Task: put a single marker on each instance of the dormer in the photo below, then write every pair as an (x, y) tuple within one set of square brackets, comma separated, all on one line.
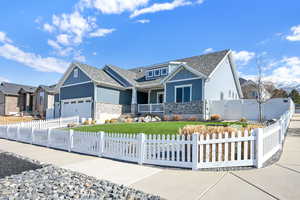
[(161, 70)]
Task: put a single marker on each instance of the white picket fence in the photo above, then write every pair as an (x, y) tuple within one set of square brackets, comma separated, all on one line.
[(197, 151), (44, 124)]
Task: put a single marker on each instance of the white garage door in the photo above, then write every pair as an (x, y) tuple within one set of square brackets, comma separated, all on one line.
[(77, 107)]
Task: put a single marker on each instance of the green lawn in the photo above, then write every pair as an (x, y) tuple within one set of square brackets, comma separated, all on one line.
[(147, 128)]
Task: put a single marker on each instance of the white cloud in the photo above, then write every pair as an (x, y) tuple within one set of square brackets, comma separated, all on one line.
[(101, 32), (4, 38), (2, 79), (200, 1), (143, 21), (94, 53), (160, 7), (47, 64), (112, 6), (295, 34), (47, 27), (54, 44), (208, 50), (243, 57), (63, 39), (79, 58)]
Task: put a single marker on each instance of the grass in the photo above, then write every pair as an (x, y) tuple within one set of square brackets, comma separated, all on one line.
[(148, 128)]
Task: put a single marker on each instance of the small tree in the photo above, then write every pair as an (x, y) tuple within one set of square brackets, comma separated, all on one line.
[(295, 96), (279, 93)]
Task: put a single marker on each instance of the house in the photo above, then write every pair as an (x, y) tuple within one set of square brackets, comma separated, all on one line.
[(15, 98), (45, 101), (250, 90), (178, 87)]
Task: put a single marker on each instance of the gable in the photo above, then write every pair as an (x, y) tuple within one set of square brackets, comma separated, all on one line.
[(183, 74), (82, 77)]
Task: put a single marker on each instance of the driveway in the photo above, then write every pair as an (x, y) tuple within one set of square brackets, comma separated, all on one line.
[(279, 181)]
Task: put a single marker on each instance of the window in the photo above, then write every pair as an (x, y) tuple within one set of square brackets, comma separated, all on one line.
[(222, 96), (164, 71), (183, 94), (157, 72), (254, 94), (150, 73), (75, 73)]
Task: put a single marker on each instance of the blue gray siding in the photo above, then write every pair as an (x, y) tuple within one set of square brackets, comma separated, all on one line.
[(113, 96), (183, 74), (117, 77), (81, 77), (77, 91), (153, 95), (196, 89), (56, 98)]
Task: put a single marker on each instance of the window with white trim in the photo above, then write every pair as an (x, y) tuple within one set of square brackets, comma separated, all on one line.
[(150, 73), (75, 73), (157, 72), (164, 71), (183, 93)]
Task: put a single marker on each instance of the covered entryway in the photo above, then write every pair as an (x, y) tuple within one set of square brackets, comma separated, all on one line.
[(77, 107)]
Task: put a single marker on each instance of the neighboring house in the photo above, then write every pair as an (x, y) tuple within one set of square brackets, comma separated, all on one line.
[(175, 87), (15, 98), (250, 90), (45, 101)]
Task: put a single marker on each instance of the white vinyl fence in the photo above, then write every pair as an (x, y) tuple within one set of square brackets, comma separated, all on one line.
[(52, 123), (197, 151)]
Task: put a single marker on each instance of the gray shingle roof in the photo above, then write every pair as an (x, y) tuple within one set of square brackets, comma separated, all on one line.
[(13, 89), (98, 75), (49, 89), (128, 75)]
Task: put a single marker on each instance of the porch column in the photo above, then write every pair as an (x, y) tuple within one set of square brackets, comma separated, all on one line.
[(134, 108), (27, 102)]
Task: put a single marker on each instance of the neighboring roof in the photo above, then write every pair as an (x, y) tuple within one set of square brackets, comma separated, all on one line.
[(13, 89), (49, 89), (242, 81), (98, 75)]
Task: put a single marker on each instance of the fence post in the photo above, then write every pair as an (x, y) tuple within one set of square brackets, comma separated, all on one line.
[(259, 147), (195, 151), (49, 137), (71, 140), (32, 135), (101, 144), (141, 141), (18, 133)]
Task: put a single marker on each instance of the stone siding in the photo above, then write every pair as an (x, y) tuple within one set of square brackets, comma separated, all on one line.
[(194, 107), (106, 111)]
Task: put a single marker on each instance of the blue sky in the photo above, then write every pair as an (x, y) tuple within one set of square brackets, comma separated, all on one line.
[(39, 39)]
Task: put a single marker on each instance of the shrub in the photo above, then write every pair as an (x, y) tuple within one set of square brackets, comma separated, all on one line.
[(71, 125), (129, 120), (113, 121), (215, 117), (201, 129), (94, 122), (177, 118), (107, 121), (193, 119), (165, 118), (86, 122), (243, 119)]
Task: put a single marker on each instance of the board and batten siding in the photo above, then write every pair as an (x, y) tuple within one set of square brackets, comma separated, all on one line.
[(222, 81), (183, 74), (196, 89), (82, 77), (113, 96), (77, 91)]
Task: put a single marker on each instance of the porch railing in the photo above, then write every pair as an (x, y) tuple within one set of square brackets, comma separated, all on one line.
[(151, 108)]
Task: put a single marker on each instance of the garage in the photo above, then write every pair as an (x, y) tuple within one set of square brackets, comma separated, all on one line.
[(77, 107)]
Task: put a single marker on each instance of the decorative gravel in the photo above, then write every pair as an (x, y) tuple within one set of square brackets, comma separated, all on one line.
[(35, 180)]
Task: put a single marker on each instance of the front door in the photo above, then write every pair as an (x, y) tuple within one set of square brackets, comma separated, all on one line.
[(160, 97)]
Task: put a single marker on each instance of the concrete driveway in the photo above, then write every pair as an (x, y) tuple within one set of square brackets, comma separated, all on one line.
[(279, 181)]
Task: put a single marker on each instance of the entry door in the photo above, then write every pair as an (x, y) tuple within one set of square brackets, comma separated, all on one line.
[(160, 97)]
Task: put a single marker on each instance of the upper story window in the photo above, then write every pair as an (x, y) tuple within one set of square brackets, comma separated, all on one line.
[(183, 93), (157, 72), (150, 73), (75, 73), (164, 71)]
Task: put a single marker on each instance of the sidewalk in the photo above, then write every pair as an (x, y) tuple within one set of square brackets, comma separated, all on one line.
[(279, 181)]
